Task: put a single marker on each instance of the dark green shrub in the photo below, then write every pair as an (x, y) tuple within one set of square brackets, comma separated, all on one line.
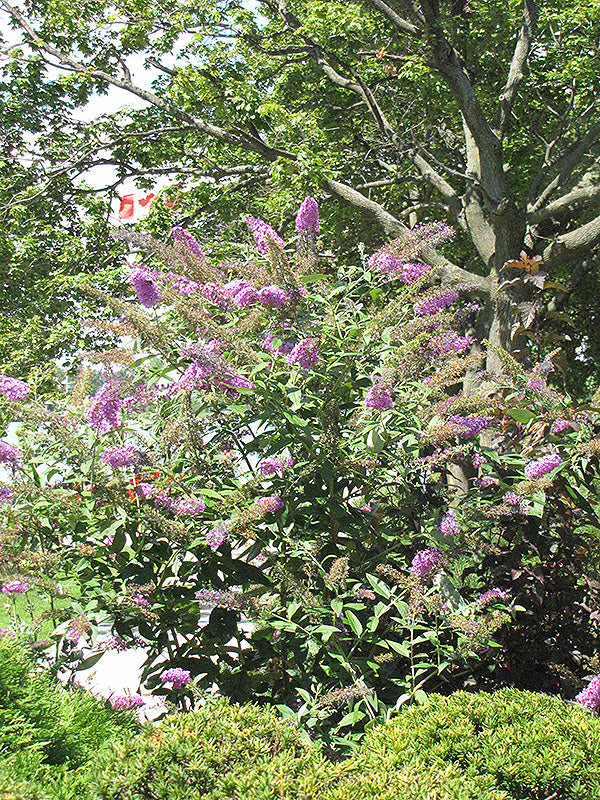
[(519, 745), (218, 752), (46, 731)]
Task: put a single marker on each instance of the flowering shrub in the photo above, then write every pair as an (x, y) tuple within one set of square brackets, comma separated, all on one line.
[(285, 494)]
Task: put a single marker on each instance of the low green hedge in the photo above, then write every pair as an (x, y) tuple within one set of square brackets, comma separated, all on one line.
[(520, 745), (48, 734), (511, 745), (221, 751)]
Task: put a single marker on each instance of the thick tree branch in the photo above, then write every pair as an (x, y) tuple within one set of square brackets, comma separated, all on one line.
[(397, 21), (573, 245), (395, 227), (517, 64), (579, 198), (447, 62)]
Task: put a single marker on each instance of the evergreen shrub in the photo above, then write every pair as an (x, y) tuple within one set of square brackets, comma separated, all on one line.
[(46, 731), (221, 751), (519, 745)]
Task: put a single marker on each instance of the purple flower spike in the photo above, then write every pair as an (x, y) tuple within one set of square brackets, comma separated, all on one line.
[(10, 455), (307, 218), (121, 456), (385, 262), (590, 696), (490, 596), (14, 587), (273, 296), (260, 231), (434, 305), (379, 397), (103, 413), (217, 535), (246, 297), (412, 272), (124, 702), (543, 465), (187, 507), (145, 288), (272, 504), (176, 676), (425, 561), (13, 389), (5, 495), (449, 525), (305, 353), (187, 241)]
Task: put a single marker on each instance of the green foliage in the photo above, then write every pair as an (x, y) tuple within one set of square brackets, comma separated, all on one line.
[(312, 598), (286, 92), (217, 752), (47, 734), (520, 745)]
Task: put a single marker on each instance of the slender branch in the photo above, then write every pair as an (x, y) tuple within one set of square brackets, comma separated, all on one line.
[(566, 163), (223, 135), (517, 64)]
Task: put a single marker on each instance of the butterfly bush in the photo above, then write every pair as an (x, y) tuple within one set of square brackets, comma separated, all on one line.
[(292, 491), (13, 389), (145, 288)]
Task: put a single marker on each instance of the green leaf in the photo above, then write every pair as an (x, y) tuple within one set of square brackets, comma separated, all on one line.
[(375, 441), (89, 662), (353, 621), (521, 414)]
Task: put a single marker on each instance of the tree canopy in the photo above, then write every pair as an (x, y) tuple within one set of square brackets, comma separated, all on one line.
[(483, 115)]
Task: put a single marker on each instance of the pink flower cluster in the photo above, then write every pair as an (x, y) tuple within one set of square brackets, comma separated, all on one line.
[(471, 425), (210, 373), (266, 504), (515, 503), (13, 388), (142, 395), (284, 349), (449, 526), (124, 702), (559, 425), (395, 267), (15, 587), (490, 596), (379, 397), (438, 302), (10, 455), (542, 466), (5, 495), (305, 353), (103, 413), (188, 242), (449, 342), (176, 676), (307, 218), (217, 535), (590, 696), (261, 232), (122, 456), (273, 465), (425, 561), (145, 288)]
